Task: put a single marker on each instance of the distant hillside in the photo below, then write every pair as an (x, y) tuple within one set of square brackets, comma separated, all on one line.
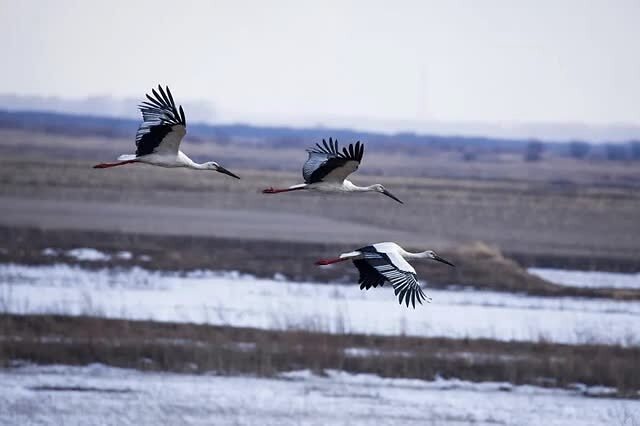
[(82, 125), (203, 111)]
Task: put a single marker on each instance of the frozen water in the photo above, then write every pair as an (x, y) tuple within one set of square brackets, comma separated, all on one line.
[(588, 278), (243, 301), (99, 395)]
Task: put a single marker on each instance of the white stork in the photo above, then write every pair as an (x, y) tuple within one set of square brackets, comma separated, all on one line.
[(159, 136), (327, 169), (382, 262)]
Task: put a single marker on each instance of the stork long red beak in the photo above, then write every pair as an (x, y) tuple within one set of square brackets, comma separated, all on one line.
[(390, 195), (226, 172)]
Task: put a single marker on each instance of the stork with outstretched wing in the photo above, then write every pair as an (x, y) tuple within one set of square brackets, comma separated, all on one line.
[(159, 136), (327, 169), (385, 262)]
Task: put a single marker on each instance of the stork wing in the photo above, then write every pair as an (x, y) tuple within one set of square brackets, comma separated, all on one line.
[(369, 276), (327, 164), (163, 125), (402, 276)]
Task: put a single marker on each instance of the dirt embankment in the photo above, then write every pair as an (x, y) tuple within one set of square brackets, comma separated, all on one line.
[(477, 266)]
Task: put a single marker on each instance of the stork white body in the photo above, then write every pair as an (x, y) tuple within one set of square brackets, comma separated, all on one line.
[(327, 169), (168, 160), (386, 262), (159, 136)]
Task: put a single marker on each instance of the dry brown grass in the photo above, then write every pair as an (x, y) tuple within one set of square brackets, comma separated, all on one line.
[(226, 350)]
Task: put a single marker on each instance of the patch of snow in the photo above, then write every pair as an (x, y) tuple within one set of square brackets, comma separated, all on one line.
[(88, 254), (242, 346), (33, 395), (144, 258), (361, 352), (124, 255), (588, 279), (242, 301), (305, 374), (279, 277), (482, 357), (599, 391), (49, 252), (368, 352)]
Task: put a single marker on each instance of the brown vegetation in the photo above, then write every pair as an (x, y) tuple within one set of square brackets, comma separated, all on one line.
[(226, 350)]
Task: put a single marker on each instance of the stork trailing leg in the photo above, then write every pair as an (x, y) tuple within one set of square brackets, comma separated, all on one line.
[(324, 262), (119, 163), (344, 256), (291, 188)]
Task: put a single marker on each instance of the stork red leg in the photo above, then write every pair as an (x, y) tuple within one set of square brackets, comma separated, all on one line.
[(330, 261), (275, 191), (119, 163)]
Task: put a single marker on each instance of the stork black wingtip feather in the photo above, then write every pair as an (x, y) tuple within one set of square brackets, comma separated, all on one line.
[(165, 98), (170, 97), (154, 101), (157, 96), (182, 116)]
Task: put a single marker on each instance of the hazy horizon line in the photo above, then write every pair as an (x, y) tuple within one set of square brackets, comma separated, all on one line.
[(205, 112)]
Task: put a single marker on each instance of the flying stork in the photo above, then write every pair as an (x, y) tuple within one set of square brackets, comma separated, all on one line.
[(383, 262), (327, 169), (159, 136)]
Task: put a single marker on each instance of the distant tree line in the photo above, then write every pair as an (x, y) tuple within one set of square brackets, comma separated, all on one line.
[(579, 149), (468, 148), (628, 151)]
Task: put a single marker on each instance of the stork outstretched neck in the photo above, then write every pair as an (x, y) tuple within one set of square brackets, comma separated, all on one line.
[(327, 168), (159, 136), (385, 262)]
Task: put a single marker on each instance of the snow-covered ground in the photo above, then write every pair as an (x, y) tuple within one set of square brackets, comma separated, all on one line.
[(587, 278), (88, 254), (99, 395), (237, 300)]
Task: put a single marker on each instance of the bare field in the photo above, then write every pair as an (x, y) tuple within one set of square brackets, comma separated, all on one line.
[(557, 212), (406, 161), (538, 224)]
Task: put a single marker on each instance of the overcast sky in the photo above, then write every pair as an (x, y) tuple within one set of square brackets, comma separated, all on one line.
[(318, 61)]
